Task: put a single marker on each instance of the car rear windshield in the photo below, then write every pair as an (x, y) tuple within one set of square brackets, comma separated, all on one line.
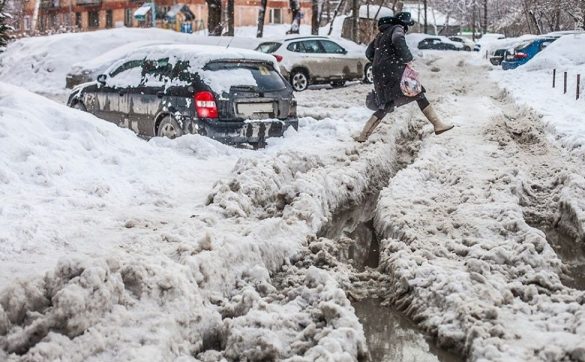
[(222, 75), (268, 48)]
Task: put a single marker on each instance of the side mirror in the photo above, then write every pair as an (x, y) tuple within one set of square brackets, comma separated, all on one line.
[(343, 51), (102, 79)]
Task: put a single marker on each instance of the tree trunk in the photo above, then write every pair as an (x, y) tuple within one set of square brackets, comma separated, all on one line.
[(583, 13), (214, 17), (485, 16), (426, 25), (230, 15), (261, 16), (355, 6), (315, 17), (473, 13)]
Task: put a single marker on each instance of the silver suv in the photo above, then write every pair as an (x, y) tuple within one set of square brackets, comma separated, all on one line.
[(317, 60)]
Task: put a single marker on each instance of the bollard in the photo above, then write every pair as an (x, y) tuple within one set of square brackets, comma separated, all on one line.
[(578, 85), (554, 77), (565, 84)]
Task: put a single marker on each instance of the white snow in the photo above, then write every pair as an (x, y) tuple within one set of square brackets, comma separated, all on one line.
[(117, 248)]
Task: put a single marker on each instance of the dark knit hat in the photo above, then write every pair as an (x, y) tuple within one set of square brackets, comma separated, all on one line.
[(405, 18)]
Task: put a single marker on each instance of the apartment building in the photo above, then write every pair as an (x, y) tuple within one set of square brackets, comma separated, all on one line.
[(85, 15)]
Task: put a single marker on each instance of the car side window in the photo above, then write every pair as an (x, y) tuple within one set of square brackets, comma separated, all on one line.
[(128, 74), (126, 66), (331, 48), (296, 47), (312, 46)]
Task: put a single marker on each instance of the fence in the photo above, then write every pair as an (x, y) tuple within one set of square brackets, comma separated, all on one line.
[(578, 89)]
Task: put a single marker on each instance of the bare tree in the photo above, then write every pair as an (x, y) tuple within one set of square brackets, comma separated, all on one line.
[(230, 17), (261, 16), (214, 25), (315, 17)]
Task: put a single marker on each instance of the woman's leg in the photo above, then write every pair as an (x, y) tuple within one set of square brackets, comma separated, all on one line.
[(429, 112), (373, 122)]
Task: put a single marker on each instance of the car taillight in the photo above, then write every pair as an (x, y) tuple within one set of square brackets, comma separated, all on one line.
[(520, 55), (278, 57), (205, 105)]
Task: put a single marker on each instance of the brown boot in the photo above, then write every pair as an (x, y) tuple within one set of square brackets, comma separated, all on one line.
[(370, 126), (432, 116)]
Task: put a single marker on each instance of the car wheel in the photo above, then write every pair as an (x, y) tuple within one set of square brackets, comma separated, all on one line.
[(169, 128), (368, 74), (80, 106), (338, 83), (467, 49), (299, 79)]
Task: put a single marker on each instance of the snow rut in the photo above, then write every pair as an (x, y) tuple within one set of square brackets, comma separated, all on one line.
[(459, 255)]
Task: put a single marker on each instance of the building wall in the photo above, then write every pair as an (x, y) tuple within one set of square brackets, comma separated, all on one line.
[(64, 12)]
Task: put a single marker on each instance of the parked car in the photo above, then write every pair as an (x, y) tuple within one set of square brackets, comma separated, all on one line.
[(439, 43), (88, 71), (233, 96), (318, 60), (468, 44), (498, 56), (525, 51)]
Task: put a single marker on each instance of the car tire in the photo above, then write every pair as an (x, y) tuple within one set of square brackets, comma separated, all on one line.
[(368, 74), (338, 83), (169, 128), (79, 105), (467, 49), (299, 79)]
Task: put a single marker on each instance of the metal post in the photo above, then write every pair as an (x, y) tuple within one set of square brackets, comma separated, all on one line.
[(578, 85), (565, 84), (554, 77)]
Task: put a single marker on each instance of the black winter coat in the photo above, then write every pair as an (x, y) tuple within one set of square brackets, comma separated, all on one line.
[(389, 54)]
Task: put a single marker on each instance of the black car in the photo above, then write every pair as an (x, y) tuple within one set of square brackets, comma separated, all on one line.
[(437, 43), (233, 96)]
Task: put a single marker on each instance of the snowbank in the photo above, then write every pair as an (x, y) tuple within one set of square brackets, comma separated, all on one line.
[(71, 182), (531, 84)]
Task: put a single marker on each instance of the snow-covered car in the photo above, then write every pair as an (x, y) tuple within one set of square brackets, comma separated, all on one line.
[(231, 95), (318, 60), (439, 43), (468, 44), (88, 71)]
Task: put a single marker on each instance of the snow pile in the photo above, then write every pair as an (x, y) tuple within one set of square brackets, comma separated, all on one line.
[(565, 54), (62, 164), (40, 64)]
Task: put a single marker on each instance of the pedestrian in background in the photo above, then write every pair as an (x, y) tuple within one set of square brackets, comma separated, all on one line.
[(390, 56)]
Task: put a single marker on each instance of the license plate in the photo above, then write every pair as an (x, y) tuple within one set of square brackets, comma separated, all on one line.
[(253, 109)]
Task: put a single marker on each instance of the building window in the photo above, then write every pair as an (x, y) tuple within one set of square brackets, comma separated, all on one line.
[(275, 16), (109, 19), (128, 17), (27, 23), (78, 20), (93, 19)]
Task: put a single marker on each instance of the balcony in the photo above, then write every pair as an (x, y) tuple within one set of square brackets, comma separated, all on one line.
[(88, 2)]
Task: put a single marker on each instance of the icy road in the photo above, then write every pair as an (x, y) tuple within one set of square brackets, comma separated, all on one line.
[(117, 249)]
